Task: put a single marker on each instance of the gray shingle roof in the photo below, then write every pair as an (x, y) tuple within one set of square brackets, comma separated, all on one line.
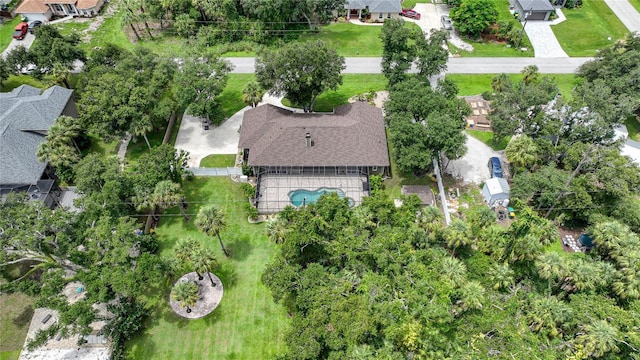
[(376, 6), (25, 117), (352, 136), (535, 5)]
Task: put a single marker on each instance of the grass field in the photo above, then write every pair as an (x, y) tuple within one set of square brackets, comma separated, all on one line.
[(487, 138), (474, 84), (633, 127), (353, 84), (636, 4), (231, 97), (6, 32), (587, 29), (247, 324), (68, 28), (349, 39), (15, 317), (218, 161)]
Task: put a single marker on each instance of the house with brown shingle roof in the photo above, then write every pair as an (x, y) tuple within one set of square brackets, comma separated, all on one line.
[(43, 10), (312, 151)]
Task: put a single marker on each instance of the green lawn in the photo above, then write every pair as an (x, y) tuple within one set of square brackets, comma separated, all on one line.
[(100, 147), (218, 161), (633, 127), (353, 84), (15, 317), (110, 32), (587, 28), (14, 81), (487, 138), (247, 324), (231, 97), (6, 32), (474, 84), (636, 4), (72, 27)]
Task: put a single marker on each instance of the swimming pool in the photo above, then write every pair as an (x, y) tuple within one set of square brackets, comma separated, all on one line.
[(303, 196)]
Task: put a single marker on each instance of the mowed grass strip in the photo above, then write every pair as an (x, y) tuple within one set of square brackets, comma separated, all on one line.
[(15, 317), (475, 84), (353, 84), (218, 161), (247, 324), (6, 32), (588, 28)]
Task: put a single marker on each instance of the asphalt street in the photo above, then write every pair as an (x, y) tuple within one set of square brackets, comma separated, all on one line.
[(365, 65)]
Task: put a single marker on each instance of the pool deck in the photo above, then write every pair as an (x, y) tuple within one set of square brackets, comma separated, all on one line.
[(275, 189)]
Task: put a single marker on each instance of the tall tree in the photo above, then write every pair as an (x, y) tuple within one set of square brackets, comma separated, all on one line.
[(252, 94), (300, 71), (211, 221), (53, 48), (398, 52), (521, 152), (474, 16), (198, 83), (60, 148)]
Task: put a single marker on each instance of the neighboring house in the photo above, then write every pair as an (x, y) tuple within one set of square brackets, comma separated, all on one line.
[(495, 190), (43, 10), (379, 10), (25, 118), (423, 192), (533, 9), (291, 152), (34, 10)]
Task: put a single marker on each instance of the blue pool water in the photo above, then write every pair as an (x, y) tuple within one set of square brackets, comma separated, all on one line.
[(300, 196)]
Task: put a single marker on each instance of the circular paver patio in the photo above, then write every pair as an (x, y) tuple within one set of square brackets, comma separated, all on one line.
[(210, 296)]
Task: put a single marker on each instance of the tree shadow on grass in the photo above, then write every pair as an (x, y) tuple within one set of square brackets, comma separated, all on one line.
[(240, 248), (227, 273), (24, 318)]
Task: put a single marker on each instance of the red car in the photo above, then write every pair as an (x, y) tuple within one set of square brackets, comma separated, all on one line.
[(410, 13), (20, 31)]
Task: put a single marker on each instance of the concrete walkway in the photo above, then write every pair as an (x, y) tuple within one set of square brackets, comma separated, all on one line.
[(627, 14)]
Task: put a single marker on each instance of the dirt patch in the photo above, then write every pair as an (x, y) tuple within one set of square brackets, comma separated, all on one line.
[(569, 233)]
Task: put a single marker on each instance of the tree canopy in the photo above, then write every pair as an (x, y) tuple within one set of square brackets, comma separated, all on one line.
[(474, 16), (300, 71)]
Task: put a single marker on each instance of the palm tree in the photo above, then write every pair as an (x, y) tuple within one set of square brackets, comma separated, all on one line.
[(501, 83), (472, 295), (530, 74), (252, 93), (203, 260), (165, 195), (521, 151), (599, 338), (129, 18), (211, 221), (141, 126), (457, 234), (550, 266), (454, 271), (60, 147), (59, 75), (548, 313), (501, 275), (430, 219), (186, 293), (277, 230), (184, 253)]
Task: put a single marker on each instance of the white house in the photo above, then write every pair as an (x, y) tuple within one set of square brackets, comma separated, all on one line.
[(378, 9), (44, 10)]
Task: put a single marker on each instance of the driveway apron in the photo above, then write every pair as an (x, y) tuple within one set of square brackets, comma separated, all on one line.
[(543, 40)]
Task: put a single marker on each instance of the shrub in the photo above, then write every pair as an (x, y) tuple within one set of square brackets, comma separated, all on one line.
[(251, 210), (249, 190)]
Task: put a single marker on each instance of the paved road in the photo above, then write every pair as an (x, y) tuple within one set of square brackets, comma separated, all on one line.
[(627, 14), (363, 65)]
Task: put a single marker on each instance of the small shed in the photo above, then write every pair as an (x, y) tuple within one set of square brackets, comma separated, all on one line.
[(495, 190), (423, 192), (533, 9)]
